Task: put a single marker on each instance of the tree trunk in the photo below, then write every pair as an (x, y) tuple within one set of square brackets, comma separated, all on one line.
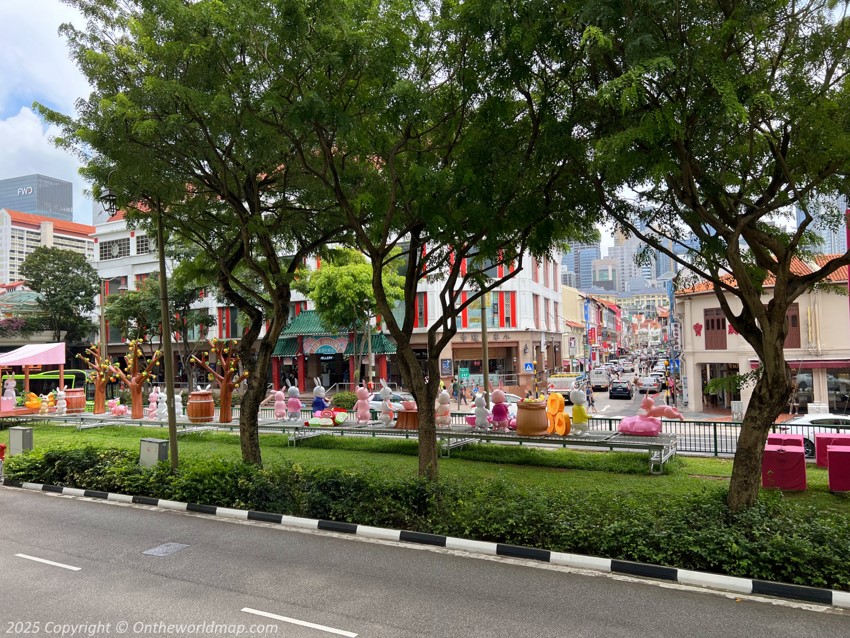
[(99, 396), (249, 410), (137, 403), (769, 398), (425, 395), (225, 399)]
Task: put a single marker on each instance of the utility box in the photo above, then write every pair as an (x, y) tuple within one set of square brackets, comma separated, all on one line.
[(20, 440), (737, 410), (153, 451)]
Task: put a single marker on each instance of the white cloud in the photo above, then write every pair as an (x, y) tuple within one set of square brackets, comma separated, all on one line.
[(36, 66)]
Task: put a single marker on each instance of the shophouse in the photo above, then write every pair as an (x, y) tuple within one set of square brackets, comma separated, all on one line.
[(817, 347)]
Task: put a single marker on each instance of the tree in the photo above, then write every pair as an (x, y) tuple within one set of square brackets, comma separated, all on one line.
[(718, 119), (138, 372), (444, 166), (343, 294), (228, 377), (173, 127), (67, 284), (138, 314)]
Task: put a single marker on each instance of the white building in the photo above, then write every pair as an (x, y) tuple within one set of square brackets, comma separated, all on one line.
[(817, 347), (22, 233)]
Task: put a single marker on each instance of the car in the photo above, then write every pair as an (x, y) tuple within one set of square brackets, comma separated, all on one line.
[(600, 379), (809, 424), (376, 402), (620, 390), (649, 385)]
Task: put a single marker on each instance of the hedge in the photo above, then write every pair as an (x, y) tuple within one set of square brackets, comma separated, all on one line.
[(771, 541)]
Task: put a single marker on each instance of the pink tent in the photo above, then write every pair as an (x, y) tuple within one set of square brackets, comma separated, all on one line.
[(35, 354)]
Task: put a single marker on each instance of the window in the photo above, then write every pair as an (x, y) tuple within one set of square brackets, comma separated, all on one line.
[(715, 329), (115, 249), (420, 310), (838, 390), (143, 245), (792, 323), (546, 273), (535, 302), (534, 274)]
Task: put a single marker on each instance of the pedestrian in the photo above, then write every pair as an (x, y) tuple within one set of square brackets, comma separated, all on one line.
[(442, 384), (456, 389), (591, 402), (672, 388), (462, 395)]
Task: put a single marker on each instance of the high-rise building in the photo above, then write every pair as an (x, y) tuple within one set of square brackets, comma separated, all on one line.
[(834, 239), (38, 195), (21, 234), (581, 257)]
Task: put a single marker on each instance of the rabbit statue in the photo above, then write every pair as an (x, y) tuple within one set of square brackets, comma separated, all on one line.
[(162, 407), (279, 405), (482, 414), (388, 408), (178, 405), (320, 404), (579, 418), (9, 386), (153, 399), (293, 404), (443, 415), (42, 409), (364, 415), (61, 403), (501, 416), (117, 409)]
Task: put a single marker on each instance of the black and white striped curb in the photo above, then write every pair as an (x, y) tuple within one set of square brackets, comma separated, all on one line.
[(732, 584)]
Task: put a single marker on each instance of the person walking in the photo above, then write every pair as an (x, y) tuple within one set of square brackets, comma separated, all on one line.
[(591, 402)]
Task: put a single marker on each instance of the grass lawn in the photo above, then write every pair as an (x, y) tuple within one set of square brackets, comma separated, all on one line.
[(547, 470)]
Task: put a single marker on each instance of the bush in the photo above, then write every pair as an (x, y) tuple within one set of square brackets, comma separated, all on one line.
[(345, 400), (771, 541)]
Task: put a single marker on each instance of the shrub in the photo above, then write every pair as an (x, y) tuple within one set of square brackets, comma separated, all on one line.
[(345, 400), (771, 541)]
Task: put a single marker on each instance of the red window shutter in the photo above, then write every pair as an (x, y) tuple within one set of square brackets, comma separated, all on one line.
[(500, 269), (318, 262), (416, 310), (463, 320), (220, 323), (463, 267), (513, 310), (501, 309), (425, 314)]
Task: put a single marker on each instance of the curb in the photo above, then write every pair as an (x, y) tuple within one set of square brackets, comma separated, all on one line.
[(733, 584)]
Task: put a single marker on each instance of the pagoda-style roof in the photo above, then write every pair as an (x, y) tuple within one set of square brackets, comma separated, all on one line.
[(307, 322), (380, 345), (286, 347)]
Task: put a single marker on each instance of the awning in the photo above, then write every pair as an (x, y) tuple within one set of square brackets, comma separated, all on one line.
[(35, 354), (380, 345)]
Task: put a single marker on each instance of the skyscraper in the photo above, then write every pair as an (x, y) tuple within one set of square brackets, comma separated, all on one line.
[(38, 195), (834, 240)]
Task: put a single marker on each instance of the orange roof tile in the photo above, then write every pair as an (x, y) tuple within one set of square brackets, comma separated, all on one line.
[(59, 225)]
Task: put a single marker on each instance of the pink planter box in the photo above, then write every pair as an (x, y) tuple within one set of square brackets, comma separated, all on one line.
[(784, 468), (839, 467), (824, 439), (786, 440)]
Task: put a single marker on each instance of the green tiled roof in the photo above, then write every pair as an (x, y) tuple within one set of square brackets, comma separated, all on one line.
[(380, 345), (19, 302), (307, 323), (287, 347)]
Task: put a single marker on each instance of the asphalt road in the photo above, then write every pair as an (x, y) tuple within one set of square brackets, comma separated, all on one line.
[(343, 586)]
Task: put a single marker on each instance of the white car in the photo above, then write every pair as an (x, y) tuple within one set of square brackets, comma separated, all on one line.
[(376, 402), (809, 424)]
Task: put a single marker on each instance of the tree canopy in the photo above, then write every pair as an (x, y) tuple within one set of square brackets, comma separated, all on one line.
[(68, 285), (717, 121)]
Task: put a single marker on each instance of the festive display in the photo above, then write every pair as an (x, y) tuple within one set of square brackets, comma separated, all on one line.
[(228, 361), (100, 373), (559, 421), (136, 375), (443, 415), (361, 407), (580, 419)]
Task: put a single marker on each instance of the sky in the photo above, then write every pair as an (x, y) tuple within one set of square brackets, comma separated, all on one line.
[(35, 67)]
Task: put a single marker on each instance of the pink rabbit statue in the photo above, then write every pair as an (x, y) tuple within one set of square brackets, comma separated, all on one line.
[(293, 405), (364, 415), (279, 405)]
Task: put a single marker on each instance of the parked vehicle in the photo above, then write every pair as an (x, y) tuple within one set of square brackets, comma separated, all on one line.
[(376, 402), (810, 424), (620, 390), (600, 379), (649, 385)]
